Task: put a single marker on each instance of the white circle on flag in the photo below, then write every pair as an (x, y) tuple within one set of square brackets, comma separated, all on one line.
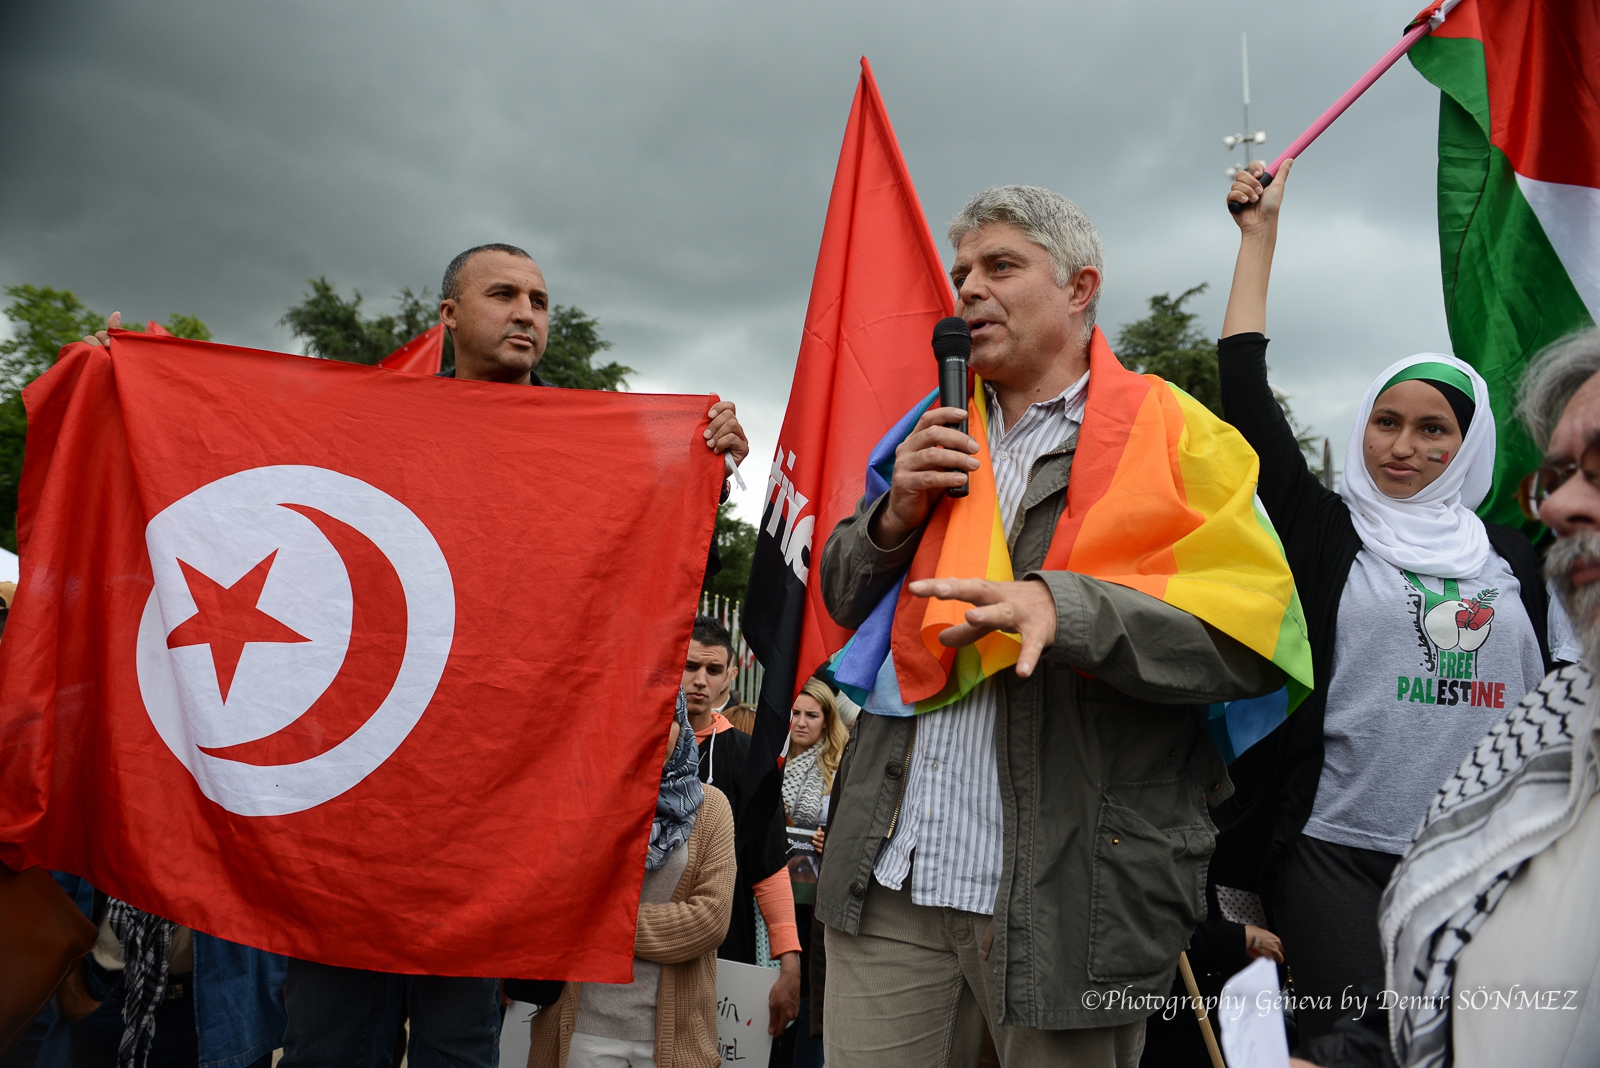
[(226, 529)]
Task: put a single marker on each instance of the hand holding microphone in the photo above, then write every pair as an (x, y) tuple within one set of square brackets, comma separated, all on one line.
[(938, 455), (952, 347)]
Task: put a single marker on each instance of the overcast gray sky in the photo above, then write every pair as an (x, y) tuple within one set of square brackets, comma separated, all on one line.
[(669, 165)]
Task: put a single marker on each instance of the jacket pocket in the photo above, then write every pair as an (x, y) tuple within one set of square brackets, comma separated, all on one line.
[(1151, 849)]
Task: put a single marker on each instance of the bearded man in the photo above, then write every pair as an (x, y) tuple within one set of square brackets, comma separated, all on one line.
[(1490, 931), (1031, 853)]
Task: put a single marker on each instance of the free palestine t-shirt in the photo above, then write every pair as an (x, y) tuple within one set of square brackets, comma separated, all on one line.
[(1422, 668)]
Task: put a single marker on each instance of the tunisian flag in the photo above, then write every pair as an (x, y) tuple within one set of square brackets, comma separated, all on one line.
[(865, 358), (265, 680)]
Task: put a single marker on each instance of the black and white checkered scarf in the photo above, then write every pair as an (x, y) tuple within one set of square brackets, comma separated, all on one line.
[(146, 946), (802, 787), (1523, 786)]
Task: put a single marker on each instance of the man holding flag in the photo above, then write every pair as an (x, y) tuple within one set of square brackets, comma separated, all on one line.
[(495, 303), (1022, 836)]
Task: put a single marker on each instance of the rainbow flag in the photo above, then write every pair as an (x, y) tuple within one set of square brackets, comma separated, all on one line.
[(1161, 500)]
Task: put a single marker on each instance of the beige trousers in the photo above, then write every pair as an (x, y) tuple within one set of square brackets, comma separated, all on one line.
[(910, 991)]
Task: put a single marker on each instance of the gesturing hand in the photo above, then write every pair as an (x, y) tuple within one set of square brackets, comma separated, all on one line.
[(1026, 608), (934, 457)]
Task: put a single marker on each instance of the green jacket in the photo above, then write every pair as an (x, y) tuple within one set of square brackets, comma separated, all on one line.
[(1104, 780)]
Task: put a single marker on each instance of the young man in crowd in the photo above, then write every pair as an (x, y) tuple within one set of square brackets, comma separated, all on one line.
[(1031, 852), (763, 876)]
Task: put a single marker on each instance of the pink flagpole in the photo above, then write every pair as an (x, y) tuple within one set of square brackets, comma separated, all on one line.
[(1424, 26)]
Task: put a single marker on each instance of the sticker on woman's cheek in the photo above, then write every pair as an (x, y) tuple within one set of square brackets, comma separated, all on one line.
[(1439, 456)]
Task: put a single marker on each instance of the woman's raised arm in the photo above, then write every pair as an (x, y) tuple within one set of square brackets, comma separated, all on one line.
[(1258, 235)]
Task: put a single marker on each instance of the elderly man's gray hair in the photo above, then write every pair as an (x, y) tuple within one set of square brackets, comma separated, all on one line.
[(1551, 379), (1049, 219)]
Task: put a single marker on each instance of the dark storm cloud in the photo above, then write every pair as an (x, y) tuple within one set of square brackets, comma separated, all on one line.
[(669, 166)]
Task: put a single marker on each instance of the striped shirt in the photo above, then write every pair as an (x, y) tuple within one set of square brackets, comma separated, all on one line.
[(950, 814)]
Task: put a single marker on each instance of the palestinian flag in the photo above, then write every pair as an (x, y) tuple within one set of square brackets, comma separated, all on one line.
[(1519, 193)]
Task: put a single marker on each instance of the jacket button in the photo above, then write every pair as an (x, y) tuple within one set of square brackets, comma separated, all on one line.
[(858, 891), (1116, 841), (892, 770), (1217, 785)]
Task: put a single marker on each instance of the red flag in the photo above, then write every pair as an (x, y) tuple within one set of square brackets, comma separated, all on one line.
[(865, 358), (153, 327), (422, 355), (263, 680)]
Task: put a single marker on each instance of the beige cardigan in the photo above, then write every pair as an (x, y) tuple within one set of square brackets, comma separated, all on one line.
[(682, 936)]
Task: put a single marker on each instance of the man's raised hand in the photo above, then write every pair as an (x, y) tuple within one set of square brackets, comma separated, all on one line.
[(1026, 608), (934, 457), (103, 337)]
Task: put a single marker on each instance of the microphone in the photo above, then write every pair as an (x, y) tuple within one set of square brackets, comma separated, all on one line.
[(952, 348)]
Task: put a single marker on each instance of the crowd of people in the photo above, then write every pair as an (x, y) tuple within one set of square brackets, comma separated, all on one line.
[(1012, 878)]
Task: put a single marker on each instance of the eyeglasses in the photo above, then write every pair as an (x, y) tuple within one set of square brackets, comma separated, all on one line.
[(1537, 487)]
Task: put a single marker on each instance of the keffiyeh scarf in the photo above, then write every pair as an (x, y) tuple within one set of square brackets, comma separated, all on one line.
[(803, 788), (146, 945), (680, 796), (1523, 787)]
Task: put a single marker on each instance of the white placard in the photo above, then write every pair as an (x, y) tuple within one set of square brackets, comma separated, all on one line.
[(515, 1036), (742, 1016), (1251, 1015)]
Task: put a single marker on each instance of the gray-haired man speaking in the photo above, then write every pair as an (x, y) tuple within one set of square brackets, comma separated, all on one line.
[(965, 878)]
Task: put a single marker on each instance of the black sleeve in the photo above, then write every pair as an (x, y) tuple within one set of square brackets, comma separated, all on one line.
[(1518, 552), (1218, 946), (1289, 491), (540, 992), (1354, 1043)]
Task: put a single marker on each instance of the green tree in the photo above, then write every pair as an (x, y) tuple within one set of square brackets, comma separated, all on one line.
[(46, 321), (188, 326), (334, 328), (736, 544), (1167, 342), (569, 360)]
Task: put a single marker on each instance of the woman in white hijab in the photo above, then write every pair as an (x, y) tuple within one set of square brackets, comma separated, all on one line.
[(1426, 625)]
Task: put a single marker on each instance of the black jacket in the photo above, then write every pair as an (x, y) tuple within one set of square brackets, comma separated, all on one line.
[(1276, 779), (722, 760)]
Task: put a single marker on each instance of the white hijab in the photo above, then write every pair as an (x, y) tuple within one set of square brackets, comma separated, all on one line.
[(1435, 532)]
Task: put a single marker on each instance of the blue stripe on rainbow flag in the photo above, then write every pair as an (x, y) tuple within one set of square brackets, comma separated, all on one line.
[(856, 667), (1237, 725)]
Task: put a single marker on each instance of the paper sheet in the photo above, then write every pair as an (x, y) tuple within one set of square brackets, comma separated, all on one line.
[(1251, 1018), (514, 1036)]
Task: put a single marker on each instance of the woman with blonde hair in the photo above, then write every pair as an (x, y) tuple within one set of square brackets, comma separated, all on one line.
[(816, 742), (817, 737)]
